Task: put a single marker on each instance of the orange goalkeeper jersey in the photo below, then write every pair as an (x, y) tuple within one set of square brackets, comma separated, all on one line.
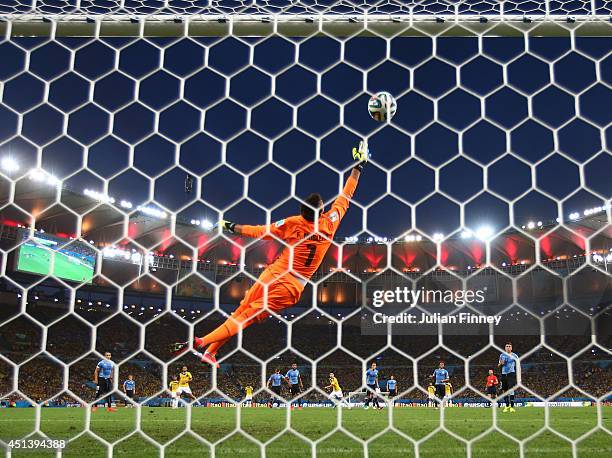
[(309, 247)]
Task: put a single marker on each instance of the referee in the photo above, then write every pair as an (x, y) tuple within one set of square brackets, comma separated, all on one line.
[(103, 378), (508, 362)]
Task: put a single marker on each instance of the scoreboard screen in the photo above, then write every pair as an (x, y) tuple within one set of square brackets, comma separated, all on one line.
[(74, 261)]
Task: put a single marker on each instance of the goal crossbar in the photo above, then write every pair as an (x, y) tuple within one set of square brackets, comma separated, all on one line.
[(304, 25)]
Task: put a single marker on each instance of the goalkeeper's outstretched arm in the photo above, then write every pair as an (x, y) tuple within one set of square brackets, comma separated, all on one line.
[(360, 158)]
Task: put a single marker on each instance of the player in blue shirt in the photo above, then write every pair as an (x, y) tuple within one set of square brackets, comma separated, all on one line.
[(129, 388), (440, 376), (274, 384), (294, 379), (103, 378), (371, 376), (508, 362), (392, 386)]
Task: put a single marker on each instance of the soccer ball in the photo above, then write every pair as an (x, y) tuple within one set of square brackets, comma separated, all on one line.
[(382, 106)]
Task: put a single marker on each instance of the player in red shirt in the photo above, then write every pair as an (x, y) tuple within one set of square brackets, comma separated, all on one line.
[(308, 237), (492, 384)]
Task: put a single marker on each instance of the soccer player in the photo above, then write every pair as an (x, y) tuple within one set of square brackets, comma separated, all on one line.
[(103, 378), (336, 392), (248, 396), (174, 384), (392, 386), (129, 388), (448, 392), (274, 383), (308, 236), (294, 379), (183, 388), (392, 389), (440, 376), (431, 395), (372, 384), (508, 361), (491, 386)]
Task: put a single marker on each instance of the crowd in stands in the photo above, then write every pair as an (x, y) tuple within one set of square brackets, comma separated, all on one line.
[(70, 341)]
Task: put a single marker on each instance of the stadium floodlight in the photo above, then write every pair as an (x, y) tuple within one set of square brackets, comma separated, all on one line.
[(40, 176), (9, 165), (574, 216), (466, 234), (126, 204), (151, 211), (484, 232), (206, 224), (539, 223), (594, 210), (99, 196), (37, 175), (438, 236), (52, 180), (413, 238), (530, 225)]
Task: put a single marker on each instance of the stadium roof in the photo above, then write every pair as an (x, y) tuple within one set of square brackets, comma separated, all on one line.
[(106, 223)]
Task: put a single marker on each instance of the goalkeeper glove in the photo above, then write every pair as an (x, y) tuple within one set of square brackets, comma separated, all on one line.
[(225, 225), (361, 155)]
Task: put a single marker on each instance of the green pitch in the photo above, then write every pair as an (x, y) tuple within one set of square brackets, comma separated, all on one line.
[(37, 260), (218, 425)]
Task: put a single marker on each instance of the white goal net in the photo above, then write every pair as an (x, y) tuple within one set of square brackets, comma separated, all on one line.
[(129, 127)]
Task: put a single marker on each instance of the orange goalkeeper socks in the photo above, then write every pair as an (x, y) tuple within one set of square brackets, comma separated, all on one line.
[(214, 347)]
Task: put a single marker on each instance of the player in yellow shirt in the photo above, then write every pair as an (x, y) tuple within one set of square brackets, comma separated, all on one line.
[(183, 388), (248, 396), (336, 392), (174, 384), (431, 393), (448, 392)]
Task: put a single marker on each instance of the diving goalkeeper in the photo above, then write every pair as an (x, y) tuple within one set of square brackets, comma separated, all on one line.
[(310, 234)]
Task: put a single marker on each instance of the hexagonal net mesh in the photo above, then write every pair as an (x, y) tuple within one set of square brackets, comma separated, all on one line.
[(128, 127)]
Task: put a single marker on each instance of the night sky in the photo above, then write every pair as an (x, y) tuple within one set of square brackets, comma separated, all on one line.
[(532, 129)]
